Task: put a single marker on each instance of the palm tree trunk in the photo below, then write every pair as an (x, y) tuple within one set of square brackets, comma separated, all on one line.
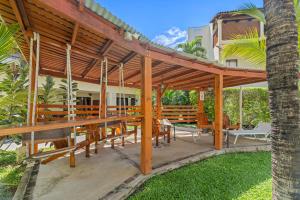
[(282, 75)]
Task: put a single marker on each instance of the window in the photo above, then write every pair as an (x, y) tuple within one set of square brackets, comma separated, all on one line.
[(232, 63)]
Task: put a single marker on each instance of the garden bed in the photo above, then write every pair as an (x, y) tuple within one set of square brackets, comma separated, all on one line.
[(10, 174)]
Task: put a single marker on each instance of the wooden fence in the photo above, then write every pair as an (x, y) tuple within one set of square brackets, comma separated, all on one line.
[(180, 113)]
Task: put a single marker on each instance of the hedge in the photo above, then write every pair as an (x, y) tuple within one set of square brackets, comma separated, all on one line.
[(255, 103)]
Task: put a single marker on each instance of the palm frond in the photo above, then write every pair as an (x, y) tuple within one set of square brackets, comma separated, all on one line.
[(7, 40), (248, 47), (251, 10)]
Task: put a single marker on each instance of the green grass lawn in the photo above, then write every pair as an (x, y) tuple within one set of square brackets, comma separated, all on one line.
[(10, 174), (238, 176)]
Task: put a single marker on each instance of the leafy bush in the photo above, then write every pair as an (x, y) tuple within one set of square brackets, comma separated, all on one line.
[(255, 103)]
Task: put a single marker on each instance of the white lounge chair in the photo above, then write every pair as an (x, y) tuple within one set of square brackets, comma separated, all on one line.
[(196, 132), (261, 129)]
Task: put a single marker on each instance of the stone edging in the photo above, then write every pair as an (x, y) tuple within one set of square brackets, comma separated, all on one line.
[(24, 185), (126, 189)]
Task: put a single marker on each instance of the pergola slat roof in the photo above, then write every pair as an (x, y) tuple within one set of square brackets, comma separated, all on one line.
[(95, 33)]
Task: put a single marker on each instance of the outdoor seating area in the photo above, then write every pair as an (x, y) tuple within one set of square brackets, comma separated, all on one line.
[(106, 171), (95, 50), (96, 143)]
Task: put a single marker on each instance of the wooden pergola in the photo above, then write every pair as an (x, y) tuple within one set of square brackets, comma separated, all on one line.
[(95, 34)]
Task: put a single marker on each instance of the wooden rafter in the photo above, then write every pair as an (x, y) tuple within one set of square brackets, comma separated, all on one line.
[(95, 28), (165, 71), (21, 16), (91, 21), (155, 65), (102, 53), (197, 83), (173, 76), (106, 47), (81, 5), (166, 86), (125, 60), (74, 34), (194, 81), (188, 77)]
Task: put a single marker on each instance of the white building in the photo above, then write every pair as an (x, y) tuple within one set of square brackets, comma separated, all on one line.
[(220, 32)]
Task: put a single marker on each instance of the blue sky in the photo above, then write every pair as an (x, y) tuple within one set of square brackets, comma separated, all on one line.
[(166, 21)]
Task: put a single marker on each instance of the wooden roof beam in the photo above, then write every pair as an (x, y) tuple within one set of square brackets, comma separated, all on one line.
[(125, 60), (21, 16), (155, 65), (161, 73), (74, 34), (102, 53), (250, 81), (182, 62), (174, 76), (106, 47), (188, 78), (165, 71), (90, 20), (238, 81), (91, 65), (204, 79), (81, 5)]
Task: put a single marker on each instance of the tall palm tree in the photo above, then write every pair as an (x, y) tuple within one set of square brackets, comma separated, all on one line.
[(250, 46), (282, 75), (193, 47)]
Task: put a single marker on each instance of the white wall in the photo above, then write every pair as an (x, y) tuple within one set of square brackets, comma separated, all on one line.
[(205, 33), (92, 90)]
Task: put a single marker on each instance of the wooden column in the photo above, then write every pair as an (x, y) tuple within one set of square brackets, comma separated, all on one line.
[(200, 110), (218, 111), (146, 104), (32, 86), (103, 109), (158, 102)]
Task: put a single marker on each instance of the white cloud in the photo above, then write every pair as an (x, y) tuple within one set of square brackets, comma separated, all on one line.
[(171, 38)]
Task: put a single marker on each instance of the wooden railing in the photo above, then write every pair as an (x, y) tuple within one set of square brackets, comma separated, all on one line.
[(58, 112), (180, 113)]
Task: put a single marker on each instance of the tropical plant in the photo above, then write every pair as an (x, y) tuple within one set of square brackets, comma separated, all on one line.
[(13, 96), (193, 47), (250, 46), (255, 104), (282, 75), (175, 97), (64, 90), (7, 42), (48, 94)]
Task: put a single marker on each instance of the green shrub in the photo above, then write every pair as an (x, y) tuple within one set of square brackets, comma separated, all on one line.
[(255, 103)]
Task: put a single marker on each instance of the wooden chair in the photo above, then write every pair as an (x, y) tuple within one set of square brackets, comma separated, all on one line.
[(160, 130), (227, 123), (128, 132)]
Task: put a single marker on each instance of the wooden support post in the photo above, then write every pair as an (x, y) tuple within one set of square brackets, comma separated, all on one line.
[(113, 134), (146, 92), (158, 102), (32, 86), (218, 111), (72, 156), (103, 109), (87, 146), (200, 109)]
